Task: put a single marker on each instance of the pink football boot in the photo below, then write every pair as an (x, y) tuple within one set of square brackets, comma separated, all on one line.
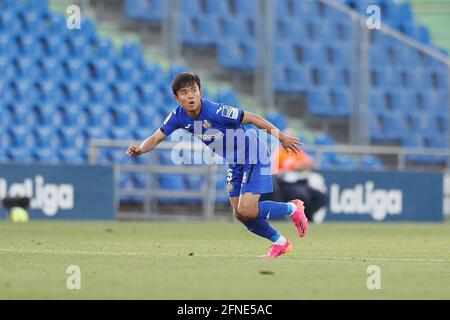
[(277, 250), (299, 218)]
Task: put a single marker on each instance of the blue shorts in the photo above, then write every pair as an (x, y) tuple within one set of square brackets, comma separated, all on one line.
[(249, 178)]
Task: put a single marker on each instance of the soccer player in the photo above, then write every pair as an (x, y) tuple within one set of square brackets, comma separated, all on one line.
[(246, 178)]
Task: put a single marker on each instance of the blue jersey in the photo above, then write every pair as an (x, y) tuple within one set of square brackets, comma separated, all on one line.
[(220, 127)]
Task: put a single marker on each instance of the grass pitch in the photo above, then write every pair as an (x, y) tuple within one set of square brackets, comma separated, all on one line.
[(153, 260)]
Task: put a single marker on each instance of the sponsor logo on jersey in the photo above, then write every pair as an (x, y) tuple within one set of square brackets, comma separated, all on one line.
[(230, 112)]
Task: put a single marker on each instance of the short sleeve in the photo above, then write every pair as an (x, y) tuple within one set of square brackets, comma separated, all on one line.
[(170, 124), (230, 115)]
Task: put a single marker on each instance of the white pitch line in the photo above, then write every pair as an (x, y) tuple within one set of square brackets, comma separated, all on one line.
[(105, 253)]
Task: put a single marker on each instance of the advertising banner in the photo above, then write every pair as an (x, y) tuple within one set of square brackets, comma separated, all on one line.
[(60, 192), (380, 196)]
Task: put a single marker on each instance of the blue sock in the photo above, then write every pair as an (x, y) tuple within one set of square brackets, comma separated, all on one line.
[(273, 210), (262, 228)]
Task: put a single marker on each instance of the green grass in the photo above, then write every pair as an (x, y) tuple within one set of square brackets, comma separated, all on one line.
[(150, 260)]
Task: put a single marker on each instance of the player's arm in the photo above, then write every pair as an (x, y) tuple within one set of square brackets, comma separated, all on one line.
[(148, 145), (288, 142)]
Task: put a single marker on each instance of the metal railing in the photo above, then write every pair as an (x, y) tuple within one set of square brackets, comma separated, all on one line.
[(207, 192)]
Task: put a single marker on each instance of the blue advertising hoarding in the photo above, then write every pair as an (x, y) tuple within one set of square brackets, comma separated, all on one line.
[(380, 196), (60, 191)]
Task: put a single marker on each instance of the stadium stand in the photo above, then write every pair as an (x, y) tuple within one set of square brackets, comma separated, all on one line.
[(62, 87), (312, 56)]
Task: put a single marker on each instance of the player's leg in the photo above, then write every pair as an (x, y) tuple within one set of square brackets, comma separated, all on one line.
[(259, 227), (256, 182), (248, 208)]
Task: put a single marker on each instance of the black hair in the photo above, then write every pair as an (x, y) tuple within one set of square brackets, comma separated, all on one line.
[(183, 80)]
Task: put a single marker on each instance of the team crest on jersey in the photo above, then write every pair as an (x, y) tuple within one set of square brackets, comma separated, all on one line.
[(230, 112), (230, 187), (206, 124)]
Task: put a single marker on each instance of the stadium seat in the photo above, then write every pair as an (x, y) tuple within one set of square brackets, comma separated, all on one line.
[(19, 155), (227, 97), (71, 137), (73, 156), (20, 137), (22, 115), (98, 115), (45, 155), (240, 56), (45, 137), (148, 10), (74, 115), (371, 163)]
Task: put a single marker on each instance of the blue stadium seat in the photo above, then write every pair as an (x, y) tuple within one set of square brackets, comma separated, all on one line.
[(323, 139), (55, 46), (121, 133), (239, 56), (22, 115), (227, 97), (172, 182), (6, 116), (95, 132), (151, 73), (100, 92), (165, 157), (7, 71), (199, 30), (24, 90), (314, 55), (72, 156), (345, 162), (104, 49), (10, 22), (46, 137), (149, 10), (19, 155), (48, 114), (74, 115), (371, 162), (387, 126), (98, 115), (71, 137), (45, 155), (298, 79), (123, 115), (236, 28), (26, 68), (51, 69), (340, 103), (75, 91), (318, 103), (124, 92), (278, 119), (419, 32), (142, 133), (76, 69), (20, 137), (129, 71), (243, 8), (149, 118)]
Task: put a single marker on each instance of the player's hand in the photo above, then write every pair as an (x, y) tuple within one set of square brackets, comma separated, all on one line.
[(290, 143), (134, 151)]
